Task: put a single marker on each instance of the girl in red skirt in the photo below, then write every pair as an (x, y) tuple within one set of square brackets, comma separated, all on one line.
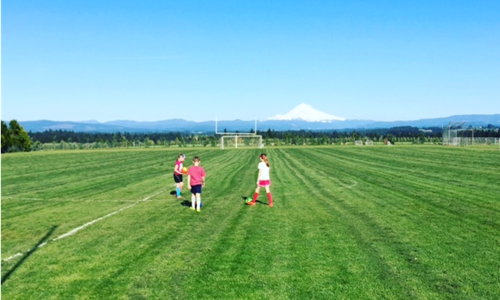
[(263, 181)]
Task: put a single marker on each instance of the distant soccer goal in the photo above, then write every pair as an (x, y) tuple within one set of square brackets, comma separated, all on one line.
[(450, 133), (369, 143), (236, 139), (455, 135), (358, 143), (239, 141)]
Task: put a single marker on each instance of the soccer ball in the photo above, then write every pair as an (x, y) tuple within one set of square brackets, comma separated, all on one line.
[(184, 170)]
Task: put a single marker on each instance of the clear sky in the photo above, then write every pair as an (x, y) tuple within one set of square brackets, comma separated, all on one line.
[(196, 60)]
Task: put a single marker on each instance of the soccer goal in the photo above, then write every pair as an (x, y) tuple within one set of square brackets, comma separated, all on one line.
[(239, 141), (358, 143), (450, 133), (369, 143), (236, 139)]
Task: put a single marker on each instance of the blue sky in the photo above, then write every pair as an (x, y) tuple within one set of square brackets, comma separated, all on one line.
[(197, 60)]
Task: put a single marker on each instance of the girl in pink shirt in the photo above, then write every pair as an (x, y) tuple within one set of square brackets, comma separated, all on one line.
[(178, 174), (196, 180)]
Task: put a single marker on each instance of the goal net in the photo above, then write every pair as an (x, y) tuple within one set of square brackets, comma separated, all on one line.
[(477, 141), (241, 141), (369, 143), (450, 133), (358, 143), (237, 139)]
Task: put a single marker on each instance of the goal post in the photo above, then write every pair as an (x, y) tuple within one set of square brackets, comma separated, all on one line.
[(237, 139), (450, 133), (455, 135)]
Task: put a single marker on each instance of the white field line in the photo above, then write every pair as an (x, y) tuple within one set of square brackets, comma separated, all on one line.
[(13, 256), (71, 232)]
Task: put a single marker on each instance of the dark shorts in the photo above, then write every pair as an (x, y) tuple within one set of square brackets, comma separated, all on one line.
[(196, 189), (177, 178)]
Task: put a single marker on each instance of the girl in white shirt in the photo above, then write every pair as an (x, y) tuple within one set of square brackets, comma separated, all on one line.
[(263, 181)]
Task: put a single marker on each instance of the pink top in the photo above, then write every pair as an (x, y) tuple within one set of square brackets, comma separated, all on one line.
[(197, 174), (178, 167)]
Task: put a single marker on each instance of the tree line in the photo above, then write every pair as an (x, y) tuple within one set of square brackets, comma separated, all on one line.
[(63, 139), (15, 138)]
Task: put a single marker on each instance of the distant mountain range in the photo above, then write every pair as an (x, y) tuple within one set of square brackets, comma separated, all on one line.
[(302, 117), (247, 126)]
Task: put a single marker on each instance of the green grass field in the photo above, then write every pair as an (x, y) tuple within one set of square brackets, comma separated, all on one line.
[(402, 222)]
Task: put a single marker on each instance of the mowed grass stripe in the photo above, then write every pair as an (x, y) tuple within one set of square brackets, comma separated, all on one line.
[(66, 164), (430, 192), (333, 260), (99, 177), (418, 184), (388, 198), (364, 260), (460, 172), (434, 228), (451, 172)]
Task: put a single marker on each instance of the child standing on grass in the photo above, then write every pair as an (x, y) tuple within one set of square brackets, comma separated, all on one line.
[(178, 174), (196, 180), (263, 180)]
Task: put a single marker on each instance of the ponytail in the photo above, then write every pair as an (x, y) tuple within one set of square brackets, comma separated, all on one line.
[(264, 157)]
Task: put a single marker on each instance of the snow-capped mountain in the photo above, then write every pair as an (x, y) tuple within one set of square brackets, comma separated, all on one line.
[(306, 113)]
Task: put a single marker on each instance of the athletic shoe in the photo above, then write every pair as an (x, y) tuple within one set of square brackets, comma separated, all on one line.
[(198, 210), (191, 208), (251, 203), (270, 205)]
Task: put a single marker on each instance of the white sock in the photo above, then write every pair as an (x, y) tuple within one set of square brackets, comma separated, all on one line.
[(198, 203), (193, 200)]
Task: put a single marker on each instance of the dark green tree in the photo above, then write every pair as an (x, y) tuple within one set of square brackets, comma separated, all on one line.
[(15, 138), (5, 137)]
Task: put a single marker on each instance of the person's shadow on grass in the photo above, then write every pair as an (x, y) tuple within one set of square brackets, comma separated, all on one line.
[(28, 254)]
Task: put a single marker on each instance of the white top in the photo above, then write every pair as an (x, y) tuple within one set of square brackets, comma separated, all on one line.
[(264, 171)]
